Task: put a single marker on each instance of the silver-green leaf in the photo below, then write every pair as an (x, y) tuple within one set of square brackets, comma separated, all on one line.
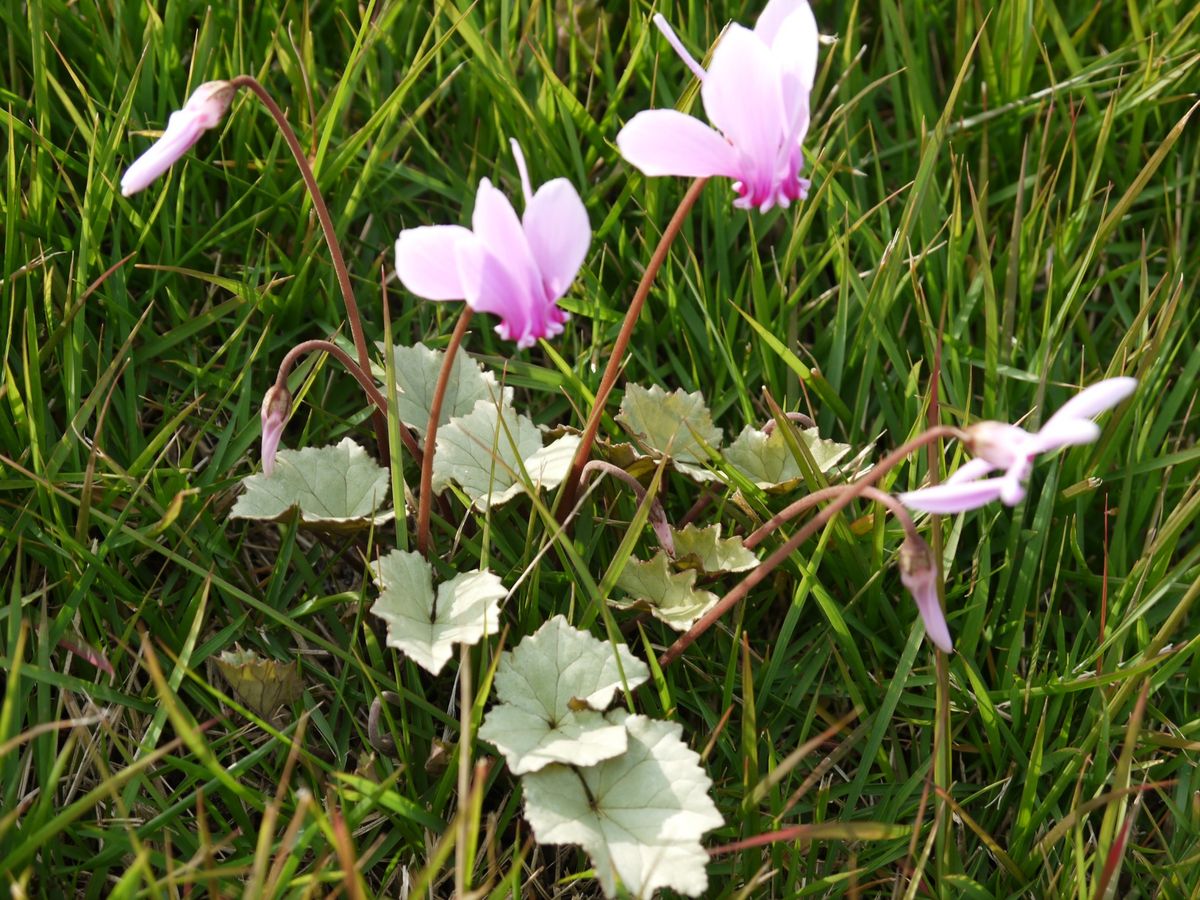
[(669, 596), (417, 370), (332, 488), (468, 607), (639, 816), (551, 688), (677, 425), (494, 454), (768, 461), (712, 553)]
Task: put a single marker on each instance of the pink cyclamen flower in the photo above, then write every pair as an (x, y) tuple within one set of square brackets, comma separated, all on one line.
[(515, 268), (276, 407), (919, 573), (756, 94), (998, 445), (203, 110)]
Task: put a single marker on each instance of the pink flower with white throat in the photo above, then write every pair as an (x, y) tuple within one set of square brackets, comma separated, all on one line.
[(998, 445), (515, 268), (756, 93), (203, 110)]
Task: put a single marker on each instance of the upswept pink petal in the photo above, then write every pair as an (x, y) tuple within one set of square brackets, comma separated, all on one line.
[(677, 45), (427, 261), (796, 45), (203, 110), (774, 14), (182, 132), (1012, 484), (522, 169), (490, 287), (1092, 401), (557, 229), (1064, 433), (954, 498), (495, 223), (667, 142), (743, 97), (971, 470)]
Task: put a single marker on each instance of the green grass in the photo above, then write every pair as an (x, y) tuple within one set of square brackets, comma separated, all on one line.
[(1020, 188)]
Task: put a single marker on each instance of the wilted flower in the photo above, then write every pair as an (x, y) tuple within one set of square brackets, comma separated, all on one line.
[(998, 445), (756, 94), (919, 573), (276, 407), (202, 111), (514, 268)]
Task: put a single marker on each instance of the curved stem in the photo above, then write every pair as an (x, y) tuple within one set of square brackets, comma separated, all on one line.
[(592, 426), (701, 504), (335, 250), (805, 422), (658, 516), (364, 380), (425, 497), (804, 503), (747, 584)]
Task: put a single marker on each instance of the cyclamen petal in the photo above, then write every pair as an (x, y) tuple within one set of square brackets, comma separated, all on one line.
[(774, 14), (1012, 448), (1093, 400), (919, 573), (203, 110), (1064, 433), (557, 229), (971, 470), (954, 498), (513, 268), (667, 142), (756, 93), (427, 261)]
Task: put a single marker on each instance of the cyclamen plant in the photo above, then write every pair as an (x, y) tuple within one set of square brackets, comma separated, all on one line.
[(624, 787)]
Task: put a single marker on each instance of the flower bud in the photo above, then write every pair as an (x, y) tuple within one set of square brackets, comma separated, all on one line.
[(276, 407), (203, 110), (919, 573)]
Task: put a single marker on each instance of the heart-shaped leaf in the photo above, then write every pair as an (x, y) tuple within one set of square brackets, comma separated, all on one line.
[(768, 461), (333, 488), (467, 608), (677, 425), (262, 684), (669, 596), (551, 688), (710, 551), (639, 816), (417, 371), (485, 452)]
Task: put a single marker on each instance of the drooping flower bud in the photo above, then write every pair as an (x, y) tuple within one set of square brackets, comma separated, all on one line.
[(919, 573), (203, 110), (276, 407)]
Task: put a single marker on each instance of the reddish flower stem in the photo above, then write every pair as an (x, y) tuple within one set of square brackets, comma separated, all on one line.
[(335, 251), (808, 502), (364, 380), (747, 584), (609, 379), (425, 496), (658, 516)]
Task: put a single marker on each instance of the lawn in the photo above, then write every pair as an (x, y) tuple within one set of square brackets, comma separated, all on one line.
[(1002, 212)]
